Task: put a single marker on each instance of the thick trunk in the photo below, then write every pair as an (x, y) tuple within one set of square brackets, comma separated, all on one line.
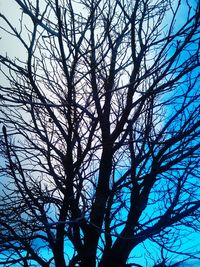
[(98, 209), (88, 260), (59, 258), (119, 253), (113, 260), (59, 262)]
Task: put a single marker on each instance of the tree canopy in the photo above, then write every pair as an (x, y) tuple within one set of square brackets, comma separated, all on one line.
[(100, 132)]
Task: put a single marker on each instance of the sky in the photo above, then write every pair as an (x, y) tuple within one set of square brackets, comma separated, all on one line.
[(7, 43), (13, 49)]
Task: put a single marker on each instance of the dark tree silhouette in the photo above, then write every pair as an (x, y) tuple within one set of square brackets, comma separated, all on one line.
[(100, 139)]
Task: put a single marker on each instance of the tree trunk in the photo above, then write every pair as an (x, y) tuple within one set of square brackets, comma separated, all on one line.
[(59, 258), (111, 261), (89, 259)]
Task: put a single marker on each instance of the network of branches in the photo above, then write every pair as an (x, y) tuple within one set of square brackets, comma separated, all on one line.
[(100, 133)]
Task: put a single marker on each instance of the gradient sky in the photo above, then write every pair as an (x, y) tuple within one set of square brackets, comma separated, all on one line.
[(9, 8)]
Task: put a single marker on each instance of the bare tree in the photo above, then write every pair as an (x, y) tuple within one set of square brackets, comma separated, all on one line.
[(100, 131)]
